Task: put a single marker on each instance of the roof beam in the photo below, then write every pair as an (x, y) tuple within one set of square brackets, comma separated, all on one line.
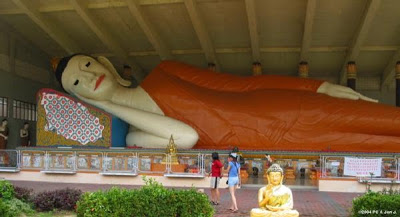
[(253, 29), (201, 31), (103, 35), (360, 36), (233, 50), (308, 25), (388, 73), (93, 5), (148, 29), (52, 30)]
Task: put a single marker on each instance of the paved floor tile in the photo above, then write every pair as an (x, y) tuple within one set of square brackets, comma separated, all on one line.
[(309, 203)]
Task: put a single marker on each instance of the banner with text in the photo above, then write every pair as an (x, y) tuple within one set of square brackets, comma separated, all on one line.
[(362, 166)]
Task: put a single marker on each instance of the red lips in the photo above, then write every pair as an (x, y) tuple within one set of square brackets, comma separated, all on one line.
[(98, 82)]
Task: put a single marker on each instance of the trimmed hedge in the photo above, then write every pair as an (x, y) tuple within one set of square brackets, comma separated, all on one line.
[(151, 200), (24, 194), (14, 208), (64, 199), (6, 190), (377, 204)]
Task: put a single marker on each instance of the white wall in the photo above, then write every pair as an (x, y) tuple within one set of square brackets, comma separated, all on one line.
[(24, 69)]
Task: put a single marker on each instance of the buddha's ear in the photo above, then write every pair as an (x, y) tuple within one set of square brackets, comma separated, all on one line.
[(106, 63)]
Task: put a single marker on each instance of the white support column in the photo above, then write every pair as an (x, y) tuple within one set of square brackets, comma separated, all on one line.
[(11, 53), (360, 36), (308, 26), (389, 72), (201, 32), (253, 29), (82, 10)]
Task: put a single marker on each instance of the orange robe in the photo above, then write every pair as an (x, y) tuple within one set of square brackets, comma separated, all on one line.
[(270, 112)]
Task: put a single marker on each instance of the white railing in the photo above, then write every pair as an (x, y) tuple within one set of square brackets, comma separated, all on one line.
[(153, 163), (89, 161), (9, 160), (32, 160), (333, 167), (120, 163), (107, 162), (188, 165)]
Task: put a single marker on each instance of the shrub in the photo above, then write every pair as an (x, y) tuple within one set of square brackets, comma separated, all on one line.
[(151, 200), (13, 208), (44, 201), (192, 203), (16, 207), (3, 209), (376, 204), (6, 190), (114, 202), (24, 194), (64, 199)]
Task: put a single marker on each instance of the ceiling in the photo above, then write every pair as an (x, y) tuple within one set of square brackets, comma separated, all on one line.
[(230, 33)]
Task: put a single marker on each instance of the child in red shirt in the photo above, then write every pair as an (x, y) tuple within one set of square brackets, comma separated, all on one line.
[(215, 178)]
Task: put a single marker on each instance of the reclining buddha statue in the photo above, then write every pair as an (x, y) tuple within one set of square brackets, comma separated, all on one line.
[(207, 110), (275, 199)]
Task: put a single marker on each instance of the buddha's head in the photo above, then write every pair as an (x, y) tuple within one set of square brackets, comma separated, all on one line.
[(92, 78), (275, 175)]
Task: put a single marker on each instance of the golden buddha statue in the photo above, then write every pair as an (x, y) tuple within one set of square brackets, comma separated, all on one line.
[(275, 199), (171, 150)]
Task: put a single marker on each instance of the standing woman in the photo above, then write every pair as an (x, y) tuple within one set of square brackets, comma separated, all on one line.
[(24, 135), (215, 178), (3, 134), (233, 179)]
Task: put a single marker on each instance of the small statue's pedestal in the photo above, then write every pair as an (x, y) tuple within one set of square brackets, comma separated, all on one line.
[(265, 174), (390, 174), (179, 168), (290, 173), (174, 159), (244, 174), (313, 175)]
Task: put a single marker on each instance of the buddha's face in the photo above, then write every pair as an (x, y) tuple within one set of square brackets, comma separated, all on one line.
[(275, 178), (85, 76)]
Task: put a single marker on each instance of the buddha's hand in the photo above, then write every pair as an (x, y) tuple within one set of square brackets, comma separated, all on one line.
[(274, 208), (268, 191), (339, 91)]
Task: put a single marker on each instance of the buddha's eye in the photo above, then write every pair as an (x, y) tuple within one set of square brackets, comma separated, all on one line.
[(76, 82), (87, 64)]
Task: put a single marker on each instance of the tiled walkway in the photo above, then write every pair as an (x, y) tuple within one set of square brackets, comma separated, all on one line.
[(307, 202)]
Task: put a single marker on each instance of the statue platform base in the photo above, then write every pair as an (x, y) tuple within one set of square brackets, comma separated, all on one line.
[(290, 173), (258, 212), (174, 160), (244, 174), (179, 168)]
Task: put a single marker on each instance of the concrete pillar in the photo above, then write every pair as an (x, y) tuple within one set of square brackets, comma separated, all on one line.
[(351, 74), (303, 69), (257, 68), (398, 84), (212, 67)]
